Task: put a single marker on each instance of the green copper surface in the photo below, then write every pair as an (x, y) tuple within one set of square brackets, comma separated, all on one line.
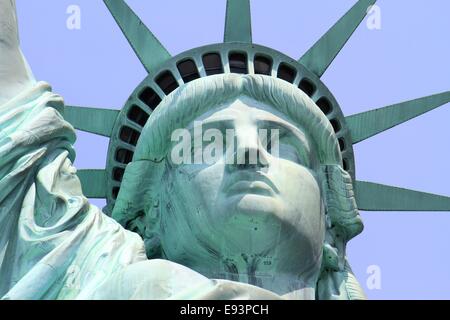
[(93, 182), (367, 124), (377, 197), (147, 47), (238, 25), (321, 55), (93, 120)]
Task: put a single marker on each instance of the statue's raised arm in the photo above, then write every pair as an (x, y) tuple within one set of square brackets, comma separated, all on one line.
[(49, 234)]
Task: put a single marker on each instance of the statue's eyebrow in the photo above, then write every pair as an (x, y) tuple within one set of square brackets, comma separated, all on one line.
[(219, 120), (286, 129), (217, 123)]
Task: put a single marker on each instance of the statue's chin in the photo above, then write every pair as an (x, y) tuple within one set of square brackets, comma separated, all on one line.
[(253, 220)]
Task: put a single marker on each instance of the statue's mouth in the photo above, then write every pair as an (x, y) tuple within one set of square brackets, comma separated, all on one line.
[(251, 187), (250, 183)]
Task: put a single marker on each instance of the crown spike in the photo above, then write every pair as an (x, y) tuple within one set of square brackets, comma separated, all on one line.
[(147, 47), (93, 120), (367, 124), (93, 182), (321, 55), (377, 197), (238, 25)]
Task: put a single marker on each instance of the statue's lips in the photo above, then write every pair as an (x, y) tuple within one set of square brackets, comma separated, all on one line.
[(251, 183)]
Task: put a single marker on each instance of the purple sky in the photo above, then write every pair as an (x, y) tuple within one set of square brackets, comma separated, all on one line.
[(408, 58)]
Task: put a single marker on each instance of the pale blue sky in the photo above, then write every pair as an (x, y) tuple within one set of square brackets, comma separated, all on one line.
[(406, 59)]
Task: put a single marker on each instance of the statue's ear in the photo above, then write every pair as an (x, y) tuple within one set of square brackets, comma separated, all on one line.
[(340, 207), (138, 204), (139, 190), (147, 225)]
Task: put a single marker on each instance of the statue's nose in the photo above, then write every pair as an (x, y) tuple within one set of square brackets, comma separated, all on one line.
[(249, 151)]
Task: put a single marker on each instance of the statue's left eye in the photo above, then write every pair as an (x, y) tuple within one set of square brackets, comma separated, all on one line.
[(290, 149), (289, 152)]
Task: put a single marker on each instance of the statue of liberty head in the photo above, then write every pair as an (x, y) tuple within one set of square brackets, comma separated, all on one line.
[(276, 202), (278, 220)]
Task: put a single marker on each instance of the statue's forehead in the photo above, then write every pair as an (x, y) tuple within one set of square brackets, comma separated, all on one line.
[(249, 112), (245, 109)]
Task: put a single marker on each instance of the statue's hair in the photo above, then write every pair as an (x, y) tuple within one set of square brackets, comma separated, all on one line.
[(137, 205)]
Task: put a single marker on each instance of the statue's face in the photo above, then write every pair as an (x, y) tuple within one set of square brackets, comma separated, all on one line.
[(265, 211)]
